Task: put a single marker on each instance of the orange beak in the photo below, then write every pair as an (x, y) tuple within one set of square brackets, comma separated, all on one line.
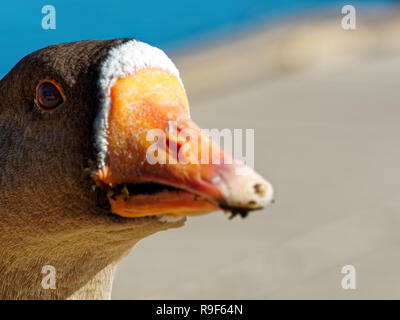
[(160, 162)]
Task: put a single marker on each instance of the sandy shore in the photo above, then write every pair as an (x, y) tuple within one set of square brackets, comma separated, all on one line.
[(324, 104)]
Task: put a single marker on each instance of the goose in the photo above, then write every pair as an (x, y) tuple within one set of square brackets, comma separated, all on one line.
[(78, 188)]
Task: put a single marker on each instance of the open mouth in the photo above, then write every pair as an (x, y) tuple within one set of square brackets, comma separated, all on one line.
[(144, 176), (144, 198), (142, 187)]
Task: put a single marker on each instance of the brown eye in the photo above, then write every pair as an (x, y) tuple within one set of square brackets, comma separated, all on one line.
[(48, 95)]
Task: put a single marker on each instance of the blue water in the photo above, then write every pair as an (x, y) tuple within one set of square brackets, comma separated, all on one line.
[(169, 24)]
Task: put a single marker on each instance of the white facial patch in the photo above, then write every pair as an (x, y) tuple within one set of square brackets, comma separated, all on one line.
[(122, 61)]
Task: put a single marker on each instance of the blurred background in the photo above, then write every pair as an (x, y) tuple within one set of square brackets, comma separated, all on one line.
[(324, 103)]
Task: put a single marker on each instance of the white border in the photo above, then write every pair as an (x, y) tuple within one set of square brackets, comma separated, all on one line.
[(121, 61)]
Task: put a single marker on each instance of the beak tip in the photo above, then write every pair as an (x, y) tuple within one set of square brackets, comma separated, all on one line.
[(250, 191), (267, 193), (262, 195)]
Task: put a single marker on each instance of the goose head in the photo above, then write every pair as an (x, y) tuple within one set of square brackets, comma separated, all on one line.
[(98, 150)]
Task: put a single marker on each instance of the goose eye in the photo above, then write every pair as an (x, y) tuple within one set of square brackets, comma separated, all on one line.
[(48, 96)]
